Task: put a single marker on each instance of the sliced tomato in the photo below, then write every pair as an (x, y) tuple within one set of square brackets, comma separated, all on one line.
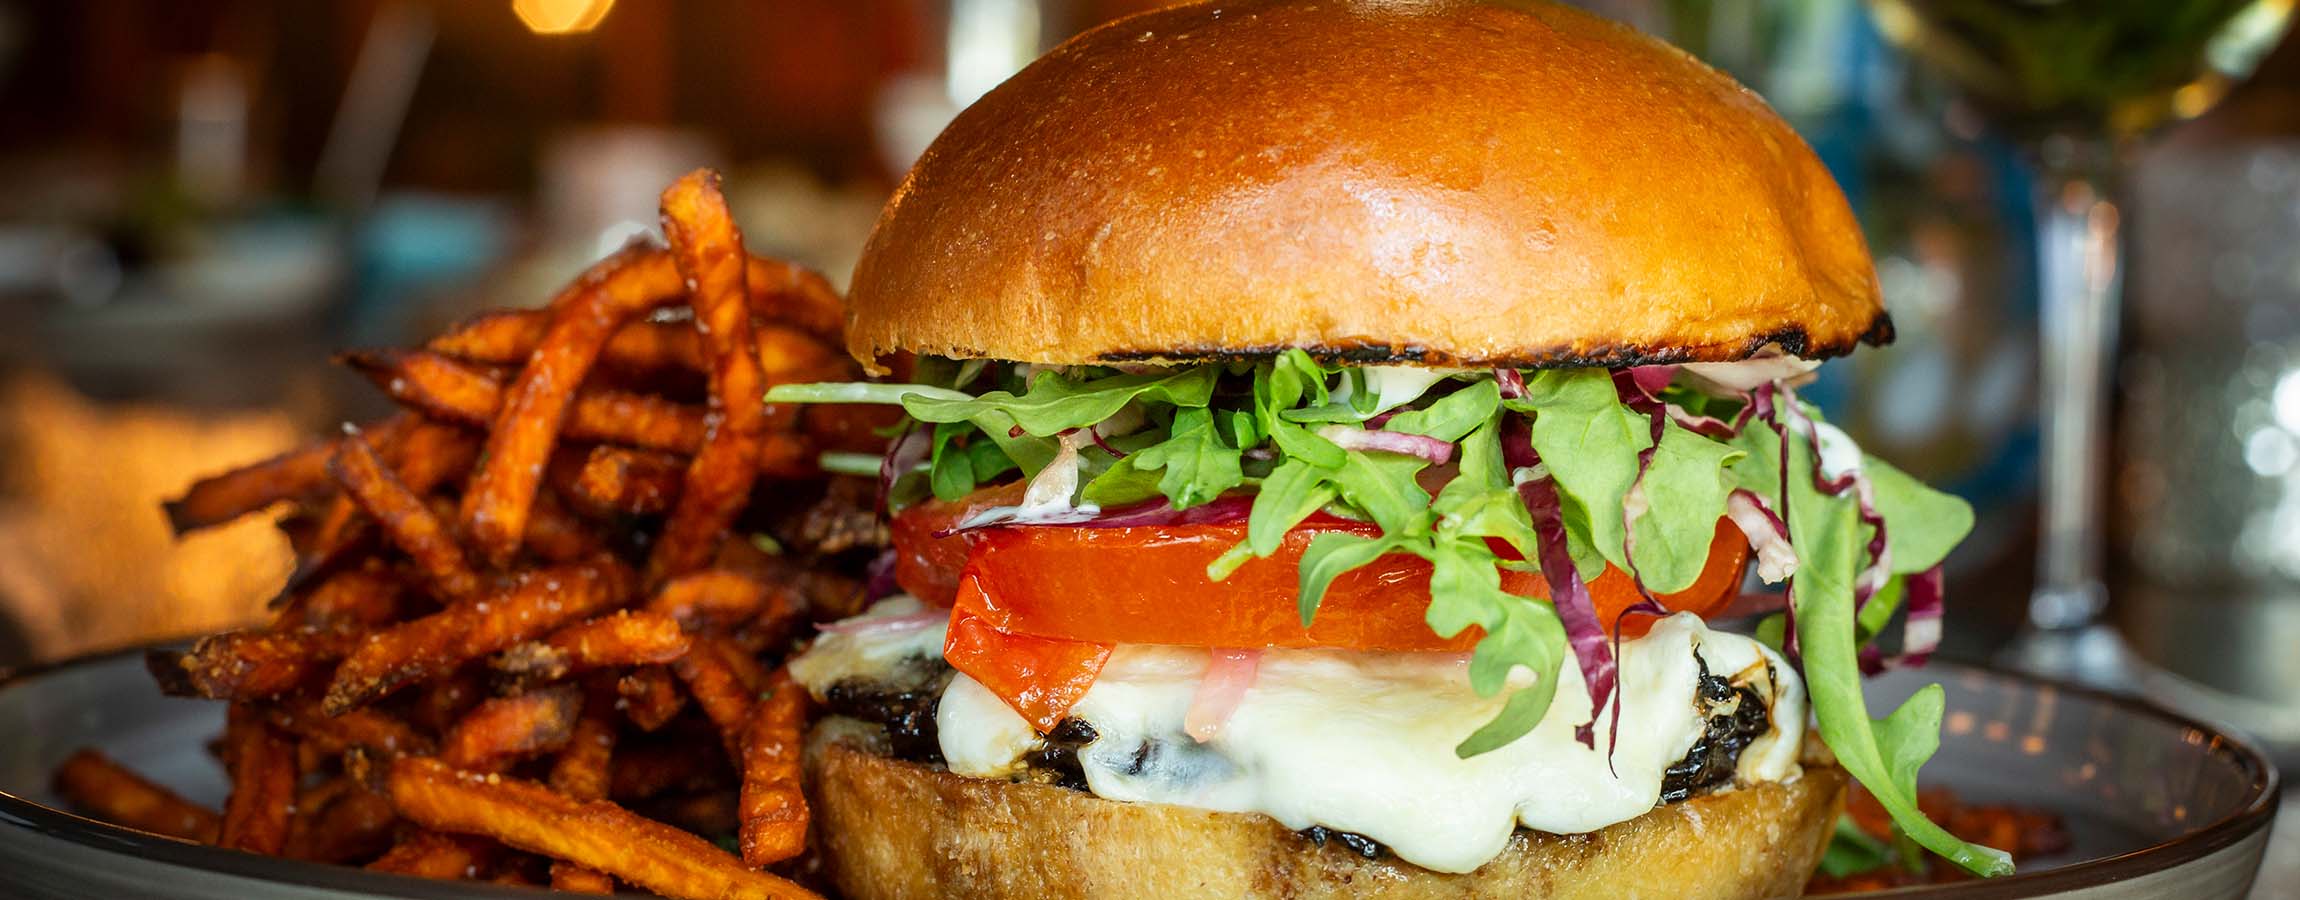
[(927, 566), (1041, 678), (1148, 585)]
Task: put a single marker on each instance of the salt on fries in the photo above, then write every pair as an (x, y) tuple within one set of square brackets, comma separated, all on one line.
[(519, 619)]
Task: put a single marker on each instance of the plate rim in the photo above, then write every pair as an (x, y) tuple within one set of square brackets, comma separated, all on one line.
[(2255, 816)]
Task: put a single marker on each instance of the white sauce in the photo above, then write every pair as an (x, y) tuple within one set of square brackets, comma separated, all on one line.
[(1364, 742)]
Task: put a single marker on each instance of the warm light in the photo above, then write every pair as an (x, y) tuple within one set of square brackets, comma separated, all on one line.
[(561, 16)]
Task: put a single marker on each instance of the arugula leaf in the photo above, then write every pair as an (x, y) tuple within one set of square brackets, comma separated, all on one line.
[(1199, 465), (1685, 494), (950, 472), (1853, 851), (1329, 555), (1453, 415), (1530, 635), (1294, 490), (1382, 486), (1924, 524), (1884, 754), (1590, 443), (1054, 403), (858, 392)]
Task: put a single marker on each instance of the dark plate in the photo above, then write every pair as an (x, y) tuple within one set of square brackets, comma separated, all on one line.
[(2158, 805)]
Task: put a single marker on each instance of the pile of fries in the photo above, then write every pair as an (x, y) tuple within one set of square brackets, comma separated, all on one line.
[(531, 637)]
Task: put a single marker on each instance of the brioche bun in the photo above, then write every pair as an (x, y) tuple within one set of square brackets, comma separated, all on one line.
[(892, 830), (1437, 182)]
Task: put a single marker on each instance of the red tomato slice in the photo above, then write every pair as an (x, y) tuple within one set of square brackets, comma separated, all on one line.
[(1148, 585), (1041, 678)]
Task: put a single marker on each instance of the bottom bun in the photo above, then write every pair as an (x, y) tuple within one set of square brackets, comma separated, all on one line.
[(891, 829)]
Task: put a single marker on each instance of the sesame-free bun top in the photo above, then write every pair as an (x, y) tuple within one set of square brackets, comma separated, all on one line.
[(1440, 182)]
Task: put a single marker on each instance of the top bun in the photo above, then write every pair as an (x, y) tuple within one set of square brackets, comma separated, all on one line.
[(1440, 182)]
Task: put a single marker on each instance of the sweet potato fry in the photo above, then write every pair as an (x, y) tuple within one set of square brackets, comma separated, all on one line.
[(720, 598), (581, 773), (624, 638), (720, 687), (525, 429), (557, 535), (781, 291), (431, 854), (504, 730), (443, 387), (248, 665), (300, 473), (506, 337), (404, 517), (651, 696), (774, 810), (353, 824), (355, 598), (613, 481), (791, 356), (106, 790), (262, 764), (595, 834), (369, 729), (435, 645), (708, 248)]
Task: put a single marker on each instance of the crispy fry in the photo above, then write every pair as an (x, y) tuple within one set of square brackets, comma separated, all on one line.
[(248, 665), (355, 823), (790, 356), (406, 520), (595, 834), (262, 764), (297, 474), (507, 336), (356, 598), (574, 879), (611, 481), (719, 689), (557, 535), (442, 387), (625, 638), (495, 506), (788, 292), (774, 811), (708, 248), (431, 854), (721, 598), (425, 455), (651, 696), (436, 645), (106, 790), (581, 773), (504, 730), (369, 729)]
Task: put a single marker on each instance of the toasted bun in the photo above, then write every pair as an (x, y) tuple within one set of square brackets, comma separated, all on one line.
[(1438, 182), (889, 829)]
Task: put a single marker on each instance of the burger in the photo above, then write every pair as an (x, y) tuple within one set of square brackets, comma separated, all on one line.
[(1327, 428)]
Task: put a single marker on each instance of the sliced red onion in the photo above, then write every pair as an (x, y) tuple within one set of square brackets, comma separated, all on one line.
[(879, 574), (1570, 597), (1228, 675), (905, 454), (1836, 470), (1638, 393), (1353, 438), (866, 626), (1768, 535), (1220, 511), (1511, 382), (1920, 628)]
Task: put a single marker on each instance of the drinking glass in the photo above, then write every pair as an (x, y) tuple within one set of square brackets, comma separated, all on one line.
[(2075, 83)]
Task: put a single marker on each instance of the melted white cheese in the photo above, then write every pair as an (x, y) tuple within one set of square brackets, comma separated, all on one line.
[(1364, 742)]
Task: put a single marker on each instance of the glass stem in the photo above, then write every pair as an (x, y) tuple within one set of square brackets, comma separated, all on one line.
[(2080, 264)]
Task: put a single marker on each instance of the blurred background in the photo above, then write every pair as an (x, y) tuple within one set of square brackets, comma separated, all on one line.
[(201, 199)]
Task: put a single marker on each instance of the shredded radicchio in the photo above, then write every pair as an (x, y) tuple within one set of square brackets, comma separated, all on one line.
[(1350, 437), (1570, 597), (1920, 629), (1768, 535), (880, 582), (905, 454)]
